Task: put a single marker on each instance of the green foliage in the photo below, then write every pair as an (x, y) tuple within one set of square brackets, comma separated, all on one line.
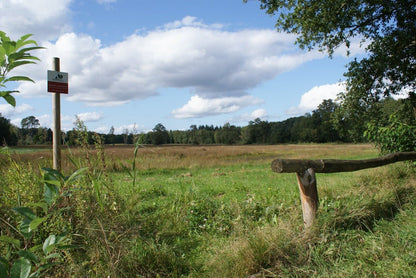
[(257, 132), (22, 176), (228, 134), (25, 257), (14, 54), (133, 171), (159, 135), (30, 122), (386, 28), (396, 136), (7, 134)]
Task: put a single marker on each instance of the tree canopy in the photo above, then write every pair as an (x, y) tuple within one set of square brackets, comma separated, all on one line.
[(29, 122), (385, 28)]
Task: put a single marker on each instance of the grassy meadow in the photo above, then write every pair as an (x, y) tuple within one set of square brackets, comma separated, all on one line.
[(213, 211)]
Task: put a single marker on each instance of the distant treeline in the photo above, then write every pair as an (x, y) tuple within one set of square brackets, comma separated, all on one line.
[(323, 125)]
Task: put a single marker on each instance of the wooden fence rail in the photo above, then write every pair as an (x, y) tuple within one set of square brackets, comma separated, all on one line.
[(305, 171)]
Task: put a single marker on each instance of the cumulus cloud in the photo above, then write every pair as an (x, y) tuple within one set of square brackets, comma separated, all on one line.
[(208, 61), (45, 120), (218, 67), (90, 116), (259, 113), (7, 110), (44, 18), (200, 106), (16, 121), (247, 117), (190, 21), (311, 99)]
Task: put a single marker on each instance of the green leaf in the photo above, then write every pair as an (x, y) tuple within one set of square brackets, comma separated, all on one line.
[(2, 53), (19, 63), (52, 174), (18, 78), (5, 93), (50, 193), (25, 212), (36, 222), (28, 255), (10, 100), (42, 205), (75, 175), (48, 244), (52, 256), (14, 54), (24, 52), (53, 182), (35, 248), (11, 240), (25, 230), (21, 268), (22, 39)]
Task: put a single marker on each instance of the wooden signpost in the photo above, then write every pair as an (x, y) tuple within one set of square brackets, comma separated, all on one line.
[(305, 171), (57, 85)]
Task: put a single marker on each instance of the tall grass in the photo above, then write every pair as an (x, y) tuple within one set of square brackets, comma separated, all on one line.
[(219, 211)]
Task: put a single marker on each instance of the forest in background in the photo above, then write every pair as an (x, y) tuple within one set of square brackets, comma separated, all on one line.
[(325, 124)]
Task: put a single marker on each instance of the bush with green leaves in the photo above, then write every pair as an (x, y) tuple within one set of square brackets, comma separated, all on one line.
[(26, 252), (396, 136)]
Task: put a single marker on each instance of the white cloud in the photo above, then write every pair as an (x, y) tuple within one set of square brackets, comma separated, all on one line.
[(190, 21), (131, 128), (247, 117), (7, 110), (311, 99), (211, 63), (90, 116), (45, 120), (102, 129), (16, 121), (199, 106), (357, 47), (44, 18), (259, 113)]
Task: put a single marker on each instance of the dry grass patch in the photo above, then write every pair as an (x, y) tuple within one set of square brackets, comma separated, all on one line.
[(192, 157)]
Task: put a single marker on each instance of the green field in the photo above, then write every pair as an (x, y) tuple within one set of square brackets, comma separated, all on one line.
[(213, 211)]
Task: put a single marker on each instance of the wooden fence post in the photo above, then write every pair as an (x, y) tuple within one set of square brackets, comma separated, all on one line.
[(305, 172), (308, 195)]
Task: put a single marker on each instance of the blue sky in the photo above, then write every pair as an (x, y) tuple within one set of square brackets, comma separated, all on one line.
[(134, 64)]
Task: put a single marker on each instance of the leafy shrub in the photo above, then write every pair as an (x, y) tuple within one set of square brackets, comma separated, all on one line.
[(28, 253), (395, 137)]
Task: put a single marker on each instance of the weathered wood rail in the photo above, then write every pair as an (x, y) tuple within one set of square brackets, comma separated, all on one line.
[(305, 171)]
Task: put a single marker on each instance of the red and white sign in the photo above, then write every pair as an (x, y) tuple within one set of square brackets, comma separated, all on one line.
[(57, 82)]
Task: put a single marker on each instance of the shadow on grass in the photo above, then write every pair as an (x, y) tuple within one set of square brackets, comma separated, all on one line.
[(364, 213)]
